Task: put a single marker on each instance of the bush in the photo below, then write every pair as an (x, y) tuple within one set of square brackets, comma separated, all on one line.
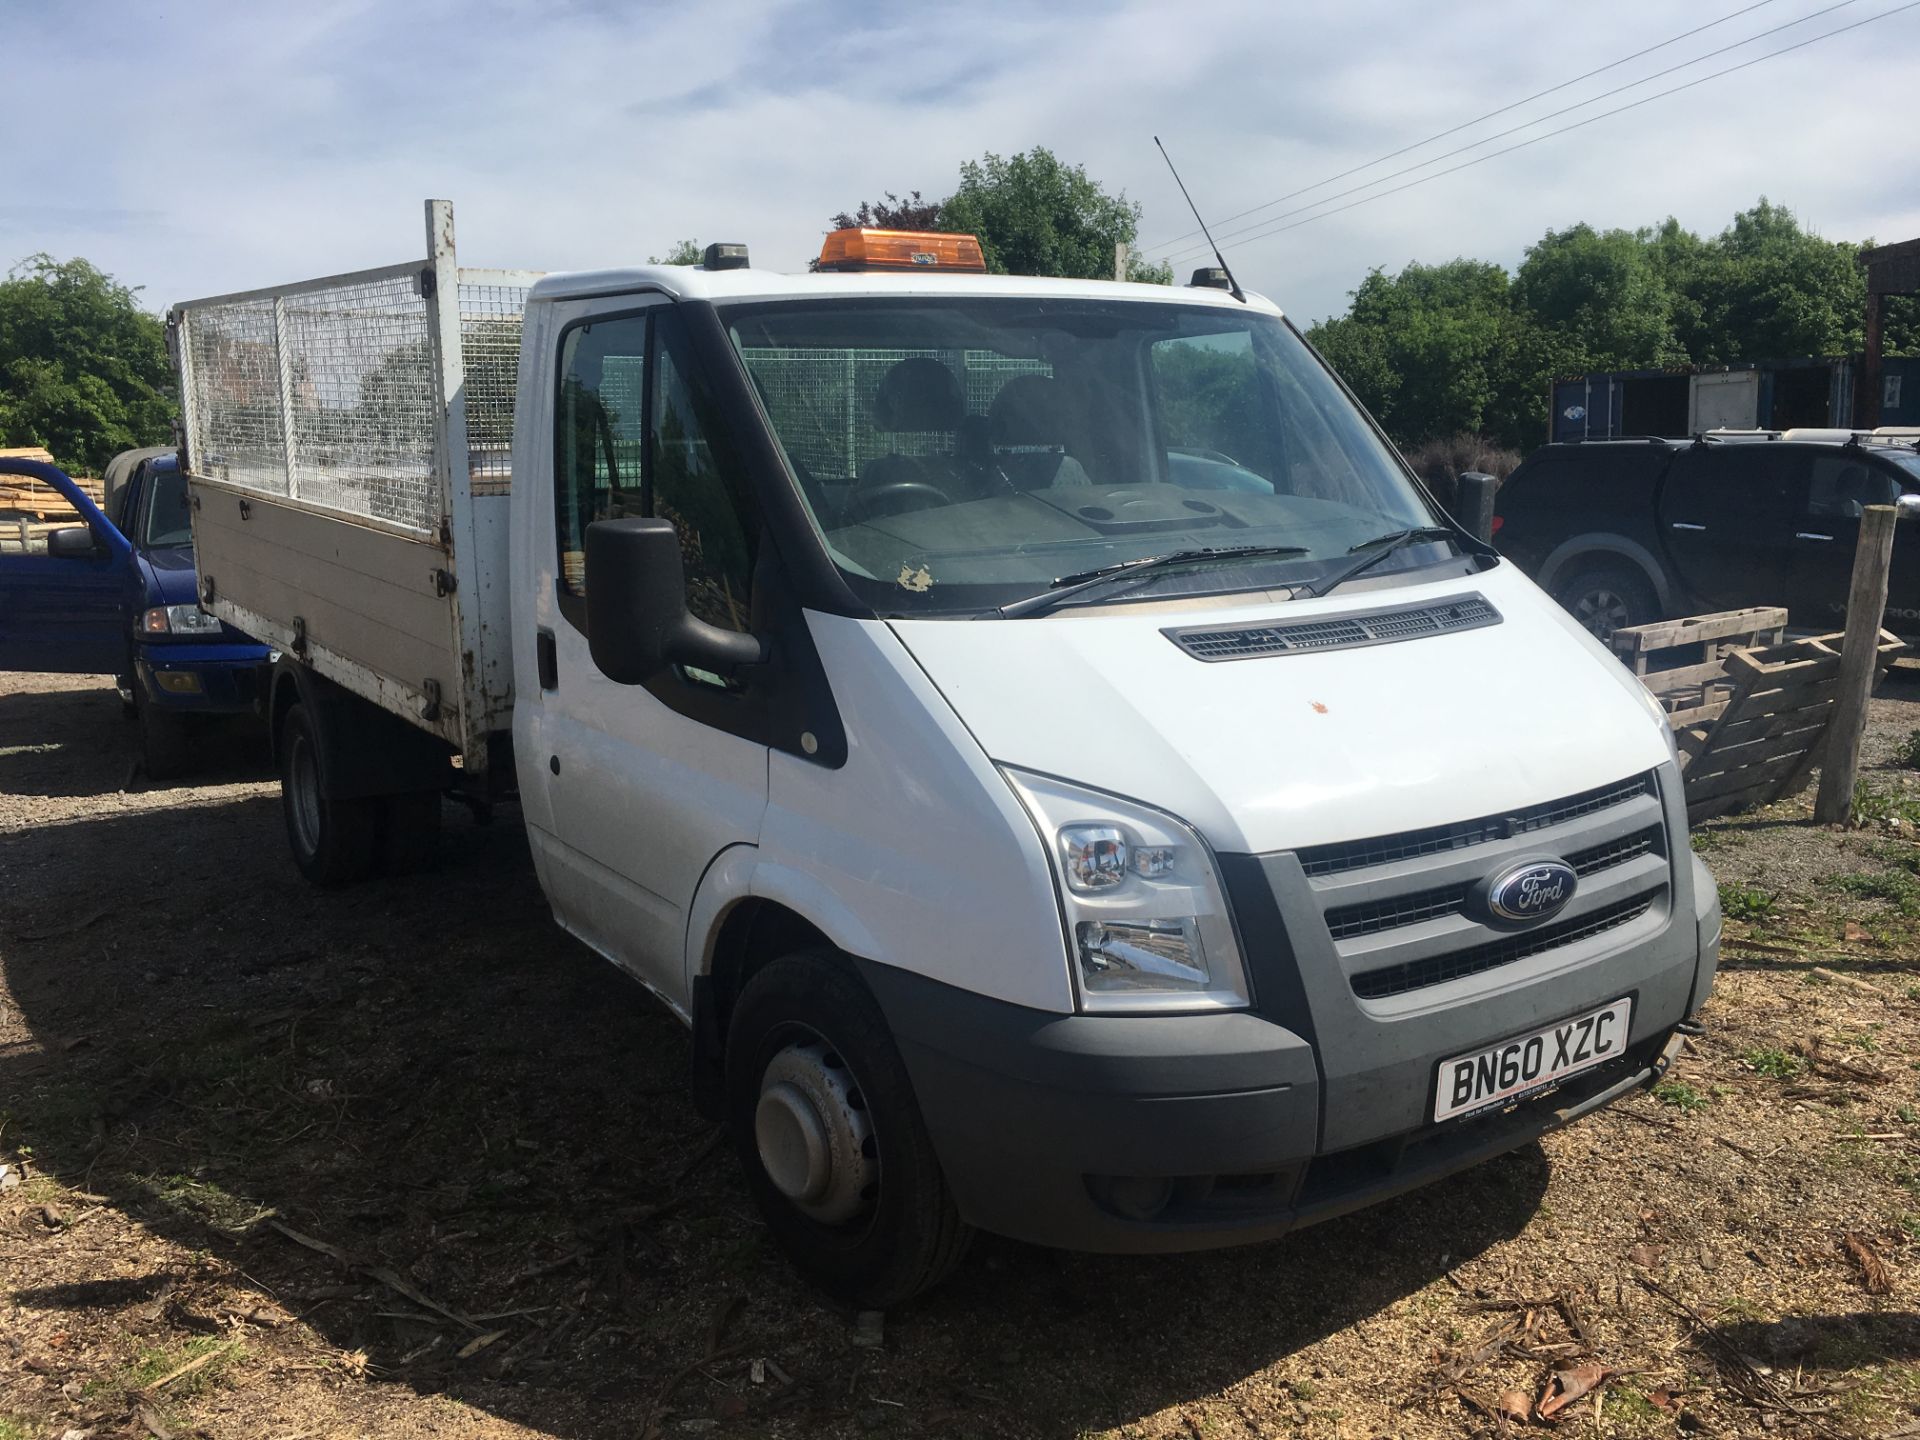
[(1440, 462)]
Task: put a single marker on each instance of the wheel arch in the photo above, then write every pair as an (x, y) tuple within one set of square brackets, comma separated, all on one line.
[(745, 915), (1570, 554)]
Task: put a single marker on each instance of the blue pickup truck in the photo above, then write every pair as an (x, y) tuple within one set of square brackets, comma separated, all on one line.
[(116, 595)]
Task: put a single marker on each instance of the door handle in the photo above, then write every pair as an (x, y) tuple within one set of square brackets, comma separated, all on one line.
[(1683, 525), (546, 658), (1807, 535)]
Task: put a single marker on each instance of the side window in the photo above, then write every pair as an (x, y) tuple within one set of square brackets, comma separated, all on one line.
[(693, 481), (31, 510), (637, 434), (1842, 487), (601, 419)]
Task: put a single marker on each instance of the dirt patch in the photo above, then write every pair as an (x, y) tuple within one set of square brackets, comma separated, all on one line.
[(404, 1160)]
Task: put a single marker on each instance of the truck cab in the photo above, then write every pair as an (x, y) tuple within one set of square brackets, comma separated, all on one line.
[(116, 594)]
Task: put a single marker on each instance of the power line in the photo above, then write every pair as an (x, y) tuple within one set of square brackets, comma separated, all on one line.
[(1468, 124), (1605, 114), (1187, 251)]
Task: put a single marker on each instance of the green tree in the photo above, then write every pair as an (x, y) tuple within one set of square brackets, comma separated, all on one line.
[(684, 252), (1768, 289), (83, 369), (1441, 350), (1423, 349), (1602, 295), (1036, 215)]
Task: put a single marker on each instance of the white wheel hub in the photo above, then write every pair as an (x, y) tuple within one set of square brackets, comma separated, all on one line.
[(814, 1135)]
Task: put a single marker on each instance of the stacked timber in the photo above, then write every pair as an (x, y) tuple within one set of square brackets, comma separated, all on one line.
[(1749, 720)]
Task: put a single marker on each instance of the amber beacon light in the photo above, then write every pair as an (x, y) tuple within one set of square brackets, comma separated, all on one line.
[(901, 250)]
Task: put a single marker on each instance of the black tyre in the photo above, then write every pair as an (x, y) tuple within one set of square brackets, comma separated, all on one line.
[(409, 839), (166, 740), (825, 1123), (1608, 597), (332, 838)]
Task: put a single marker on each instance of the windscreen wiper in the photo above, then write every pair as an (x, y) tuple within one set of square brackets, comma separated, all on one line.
[(1377, 549), (1068, 586)]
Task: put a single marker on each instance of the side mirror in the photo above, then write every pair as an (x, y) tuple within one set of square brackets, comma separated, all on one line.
[(638, 624), (72, 542), (1906, 507)]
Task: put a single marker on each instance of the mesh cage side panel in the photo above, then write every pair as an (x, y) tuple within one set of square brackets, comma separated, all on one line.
[(237, 433), (358, 383), (490, 350), (363, 401)]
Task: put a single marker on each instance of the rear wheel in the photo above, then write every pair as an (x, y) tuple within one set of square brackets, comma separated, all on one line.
[(332, 838), (1608, 597), (826, 1126)]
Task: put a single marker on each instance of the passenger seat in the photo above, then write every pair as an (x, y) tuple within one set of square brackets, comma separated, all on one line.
[(1028, 422)]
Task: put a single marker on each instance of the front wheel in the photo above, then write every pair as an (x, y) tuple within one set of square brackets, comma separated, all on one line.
[(1606, 598), (332, 838), (825, 1123)]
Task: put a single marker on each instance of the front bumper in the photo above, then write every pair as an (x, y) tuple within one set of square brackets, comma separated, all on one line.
[(1046, 1124), (220, 678)]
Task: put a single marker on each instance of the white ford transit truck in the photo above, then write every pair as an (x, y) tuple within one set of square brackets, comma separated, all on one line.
[(1070, 777)]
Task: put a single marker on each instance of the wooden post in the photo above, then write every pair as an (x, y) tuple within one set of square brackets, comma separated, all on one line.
[(1859, 658), (1474, 507), (1120, 260)]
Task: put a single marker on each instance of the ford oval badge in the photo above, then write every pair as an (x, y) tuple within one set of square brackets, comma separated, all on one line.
[(1531, 891)]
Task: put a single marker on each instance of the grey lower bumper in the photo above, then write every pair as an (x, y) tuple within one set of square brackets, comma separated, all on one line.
[(1036, 1116)]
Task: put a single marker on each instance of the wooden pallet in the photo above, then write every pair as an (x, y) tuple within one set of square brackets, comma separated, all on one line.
[(1749, 723)]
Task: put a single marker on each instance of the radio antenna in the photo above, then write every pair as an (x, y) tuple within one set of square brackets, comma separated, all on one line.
[(1232, 284)]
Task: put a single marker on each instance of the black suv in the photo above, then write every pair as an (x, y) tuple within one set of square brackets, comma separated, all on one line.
[(1622, 532)]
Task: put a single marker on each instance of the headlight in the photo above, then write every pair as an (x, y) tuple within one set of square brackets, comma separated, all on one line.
[(178, 620), (1147, 919)]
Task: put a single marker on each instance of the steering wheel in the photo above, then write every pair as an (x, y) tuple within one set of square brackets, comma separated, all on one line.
[(884, 499)]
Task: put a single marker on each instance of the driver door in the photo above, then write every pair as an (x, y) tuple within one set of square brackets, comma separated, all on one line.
[(61, 610), (645, 784)]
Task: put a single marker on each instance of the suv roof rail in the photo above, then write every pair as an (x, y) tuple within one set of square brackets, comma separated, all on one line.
[(1618, 439)]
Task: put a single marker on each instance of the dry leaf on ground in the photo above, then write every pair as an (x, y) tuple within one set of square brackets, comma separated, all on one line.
[(1874, 1270), (1567, 1386)]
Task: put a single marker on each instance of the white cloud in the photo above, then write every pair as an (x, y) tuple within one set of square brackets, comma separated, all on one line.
[(218, 146)]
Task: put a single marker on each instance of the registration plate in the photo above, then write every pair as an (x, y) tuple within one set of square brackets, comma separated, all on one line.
[(1527, 1064)]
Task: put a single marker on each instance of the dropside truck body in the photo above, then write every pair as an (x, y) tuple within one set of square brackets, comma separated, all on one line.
[(1069, 776)]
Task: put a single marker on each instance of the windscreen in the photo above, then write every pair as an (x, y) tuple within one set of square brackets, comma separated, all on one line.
[(168, 518), (960, 453)]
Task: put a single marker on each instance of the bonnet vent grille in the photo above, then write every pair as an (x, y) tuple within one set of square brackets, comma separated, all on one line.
[(1339, 632)]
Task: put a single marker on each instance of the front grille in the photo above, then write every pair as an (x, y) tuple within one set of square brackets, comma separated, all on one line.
[(1348, 855), (1343, 632), (1348, 922), (1419, 974)]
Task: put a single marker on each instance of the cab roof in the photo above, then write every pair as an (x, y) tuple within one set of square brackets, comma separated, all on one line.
[(694, 282)]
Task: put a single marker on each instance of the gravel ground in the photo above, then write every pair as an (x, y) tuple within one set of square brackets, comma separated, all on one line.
[(404, 1161)]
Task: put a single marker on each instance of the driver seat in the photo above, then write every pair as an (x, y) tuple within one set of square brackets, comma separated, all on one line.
[(917, 396)]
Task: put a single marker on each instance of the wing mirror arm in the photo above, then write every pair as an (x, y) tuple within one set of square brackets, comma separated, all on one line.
[(638, 624)]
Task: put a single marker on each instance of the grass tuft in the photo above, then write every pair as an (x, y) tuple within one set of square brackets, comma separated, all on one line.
[(1744, 902), (1774, 1064), (1680, 1095)]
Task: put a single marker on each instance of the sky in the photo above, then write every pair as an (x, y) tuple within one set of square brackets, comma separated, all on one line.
[(193, 147)]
